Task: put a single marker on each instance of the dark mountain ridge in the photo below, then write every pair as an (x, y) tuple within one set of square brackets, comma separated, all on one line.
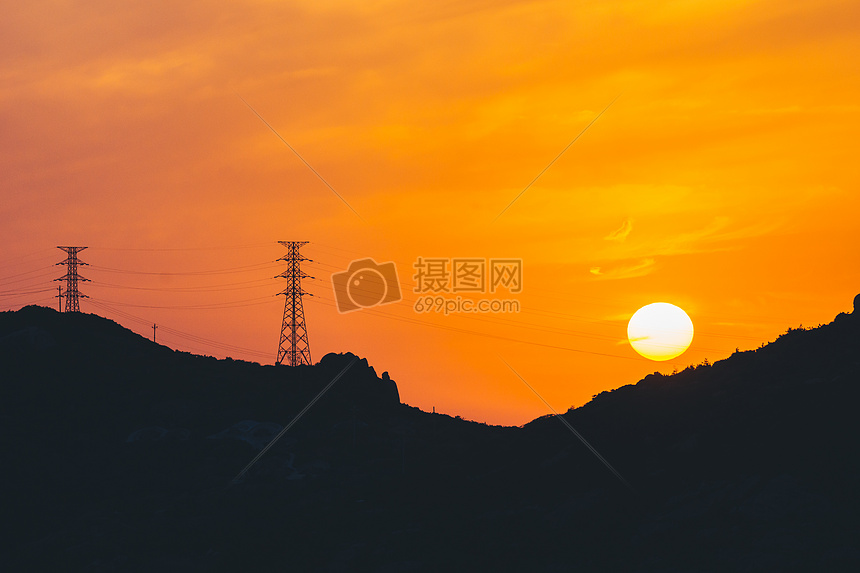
[(120, 453)]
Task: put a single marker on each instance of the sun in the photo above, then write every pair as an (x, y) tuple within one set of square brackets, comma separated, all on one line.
[(660, 331)]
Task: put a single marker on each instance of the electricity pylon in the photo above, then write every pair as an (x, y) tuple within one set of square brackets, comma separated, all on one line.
[(294, 343), (72, 277)]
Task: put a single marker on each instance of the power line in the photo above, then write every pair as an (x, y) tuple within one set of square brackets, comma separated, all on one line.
[(40, 276), (539, 312), (207, 248), (179, 333), (232, 270), (18, 293), (210, 306), (210, 288), (381, 314)]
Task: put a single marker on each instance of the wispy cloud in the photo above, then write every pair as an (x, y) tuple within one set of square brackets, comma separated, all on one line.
[(629, 271), (720, 234), (620, 233)]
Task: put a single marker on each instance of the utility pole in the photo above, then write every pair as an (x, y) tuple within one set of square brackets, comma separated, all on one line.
[(60, 298), (154, 326), (72, 277), (294, 345)]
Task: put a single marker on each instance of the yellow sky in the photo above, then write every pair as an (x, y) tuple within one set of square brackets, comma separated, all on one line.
[(722, 180)]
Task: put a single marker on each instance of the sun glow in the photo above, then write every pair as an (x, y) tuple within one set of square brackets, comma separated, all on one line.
[(660, 331)]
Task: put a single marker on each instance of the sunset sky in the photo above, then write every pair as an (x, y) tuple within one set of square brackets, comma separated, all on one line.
[(723, 179)]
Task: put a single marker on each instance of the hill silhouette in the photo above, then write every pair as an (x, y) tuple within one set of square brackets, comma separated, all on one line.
[(119, 455)]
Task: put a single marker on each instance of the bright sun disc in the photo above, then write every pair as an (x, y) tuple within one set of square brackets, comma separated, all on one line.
[(660, 331)]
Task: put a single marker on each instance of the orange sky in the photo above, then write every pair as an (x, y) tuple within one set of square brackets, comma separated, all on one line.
[(723, 180)]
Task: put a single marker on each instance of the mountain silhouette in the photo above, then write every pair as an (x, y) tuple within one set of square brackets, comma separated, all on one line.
[(120, 455)]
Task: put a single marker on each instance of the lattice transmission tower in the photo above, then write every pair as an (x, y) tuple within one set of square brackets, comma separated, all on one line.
[(294, 345), (72, 277)]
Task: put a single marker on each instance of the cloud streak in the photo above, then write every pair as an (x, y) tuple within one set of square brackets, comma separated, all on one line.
[(620, 233), (628, 271)]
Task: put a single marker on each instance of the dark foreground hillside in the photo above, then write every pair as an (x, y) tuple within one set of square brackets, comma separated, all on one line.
[(118, 456)]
